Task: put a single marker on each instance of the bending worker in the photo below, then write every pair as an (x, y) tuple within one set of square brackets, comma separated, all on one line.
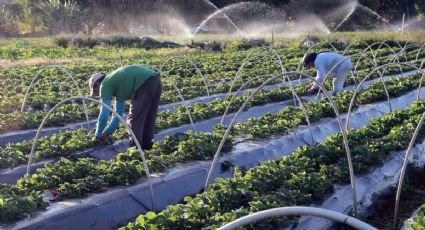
[(137, 83), (331, 64)]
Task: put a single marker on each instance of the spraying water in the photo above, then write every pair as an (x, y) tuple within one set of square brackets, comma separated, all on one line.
[(353, 5), (374, 13), (224, 14), (222, 11)]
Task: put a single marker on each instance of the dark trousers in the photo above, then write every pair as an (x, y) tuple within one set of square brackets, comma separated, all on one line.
[(143, 110)]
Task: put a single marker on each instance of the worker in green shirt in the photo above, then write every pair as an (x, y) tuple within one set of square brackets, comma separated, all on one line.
[(137, 83)]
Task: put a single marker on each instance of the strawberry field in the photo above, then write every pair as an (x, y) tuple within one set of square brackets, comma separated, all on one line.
[(237, 133)]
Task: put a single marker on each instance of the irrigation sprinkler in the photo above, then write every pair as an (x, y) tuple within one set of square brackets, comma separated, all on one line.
[(403, 170), (341, 126), (298, 211), (198, 71), (361, 83), (142, 155), (68, 74), (291, 88)]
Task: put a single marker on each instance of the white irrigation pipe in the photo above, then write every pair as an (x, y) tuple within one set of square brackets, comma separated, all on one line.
[(361, 83), (68, 74), (34, 145), (403, 170), (248, 59), (342, 128), (291, 88), (295, 211), (186, 106), (198, 71)]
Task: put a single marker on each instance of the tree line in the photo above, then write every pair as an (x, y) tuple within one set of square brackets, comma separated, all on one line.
[(50, 17)]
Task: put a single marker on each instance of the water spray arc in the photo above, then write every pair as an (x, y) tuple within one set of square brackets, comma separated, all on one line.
[(142, 155), (217, 12), (341, 126), (353, 8)]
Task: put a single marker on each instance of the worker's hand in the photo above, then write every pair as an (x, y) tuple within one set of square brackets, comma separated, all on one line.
[(309, 88), (102, 140)]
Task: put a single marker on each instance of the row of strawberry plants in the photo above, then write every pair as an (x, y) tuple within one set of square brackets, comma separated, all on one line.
[(72, 179), (75, 178), (298, 179), (21, 53), (16, 205), (39, 100), (34, 118), (278, 123), (265, 126), (187, 71)]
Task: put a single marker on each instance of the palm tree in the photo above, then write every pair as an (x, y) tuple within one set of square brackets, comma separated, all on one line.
[(60, 16)]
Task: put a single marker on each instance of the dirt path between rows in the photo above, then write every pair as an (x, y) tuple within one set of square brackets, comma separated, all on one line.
[(7, 64)]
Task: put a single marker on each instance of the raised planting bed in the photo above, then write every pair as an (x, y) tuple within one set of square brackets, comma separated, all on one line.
[(187, 179), (297, 179), (46, 96), (71, 142)]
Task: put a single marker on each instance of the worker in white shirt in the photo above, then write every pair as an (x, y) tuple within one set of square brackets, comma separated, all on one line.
[(331, 64)]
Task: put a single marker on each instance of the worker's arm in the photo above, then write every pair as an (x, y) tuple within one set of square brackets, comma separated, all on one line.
[(113, 124), (321, 72), (103, 117)]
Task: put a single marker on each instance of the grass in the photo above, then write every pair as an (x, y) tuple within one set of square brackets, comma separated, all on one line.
[(6, 64), (413, 36)]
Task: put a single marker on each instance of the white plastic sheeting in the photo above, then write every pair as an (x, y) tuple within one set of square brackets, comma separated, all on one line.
[(111, 209), (368, 187)]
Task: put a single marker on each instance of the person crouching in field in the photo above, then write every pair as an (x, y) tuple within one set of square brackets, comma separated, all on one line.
[(336, 65), (137, 83)]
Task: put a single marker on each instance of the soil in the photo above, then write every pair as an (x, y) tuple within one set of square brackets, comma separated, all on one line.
[(412, 196)]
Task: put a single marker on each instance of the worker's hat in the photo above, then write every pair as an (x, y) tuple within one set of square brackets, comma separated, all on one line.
[(93, 79)]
